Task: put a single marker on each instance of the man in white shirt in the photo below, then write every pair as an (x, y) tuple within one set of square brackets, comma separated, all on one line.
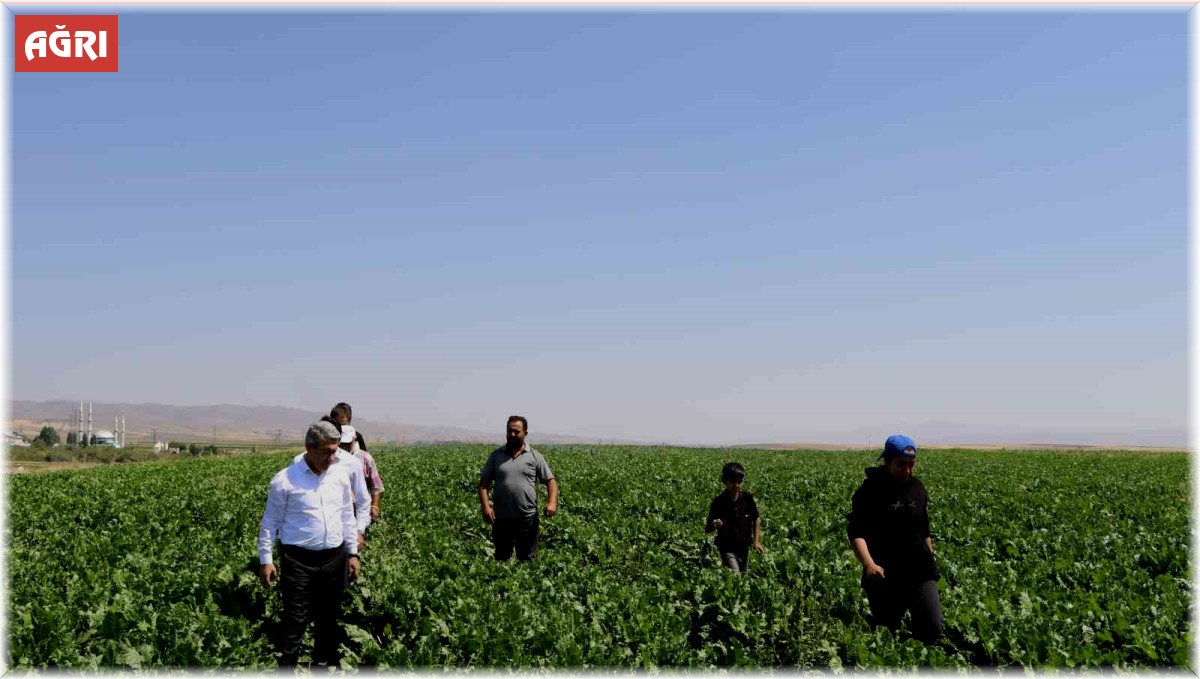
[(310, 508), (358, 483)]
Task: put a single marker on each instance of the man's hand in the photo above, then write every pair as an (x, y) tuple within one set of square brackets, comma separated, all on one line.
[(929, 545), (362, 540), (374, 513), (874, 571), (267, 574), (551, 509), (352, 566), (758, 547), (717, 523), (489, 515)]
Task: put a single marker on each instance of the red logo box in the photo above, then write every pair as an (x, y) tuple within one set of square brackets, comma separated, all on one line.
[(68, 42)]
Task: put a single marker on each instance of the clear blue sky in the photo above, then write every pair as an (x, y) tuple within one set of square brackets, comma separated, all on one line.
[(682, 226)]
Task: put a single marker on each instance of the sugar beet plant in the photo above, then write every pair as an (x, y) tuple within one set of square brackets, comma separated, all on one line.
[(1050, 559)]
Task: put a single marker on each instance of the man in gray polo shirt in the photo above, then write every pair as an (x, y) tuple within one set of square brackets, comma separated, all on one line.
[(516, 468)]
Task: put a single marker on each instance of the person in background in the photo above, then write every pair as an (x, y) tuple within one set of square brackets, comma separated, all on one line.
[(734, 516), (354, 443), (341, 415), (888, 527), (310, 509), (375, 481), (516, 467)]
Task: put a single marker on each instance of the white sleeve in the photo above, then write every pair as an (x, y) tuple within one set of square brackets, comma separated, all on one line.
[(349, 536), (272, 519), (362, 499)]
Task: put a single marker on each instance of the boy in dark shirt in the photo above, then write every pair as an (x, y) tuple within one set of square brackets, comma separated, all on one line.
[(734, 515)]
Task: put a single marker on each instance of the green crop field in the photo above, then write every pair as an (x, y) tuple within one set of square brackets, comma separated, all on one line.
[(1049, 559)]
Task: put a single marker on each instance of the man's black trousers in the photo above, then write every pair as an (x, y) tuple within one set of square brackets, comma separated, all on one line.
[(520, 534), (311, 583), (889, 600)]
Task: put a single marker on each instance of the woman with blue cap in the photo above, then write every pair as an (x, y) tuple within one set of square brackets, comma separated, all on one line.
[(889, 533)]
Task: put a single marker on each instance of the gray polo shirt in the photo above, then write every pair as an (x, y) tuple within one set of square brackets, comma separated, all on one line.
[(516, 481)]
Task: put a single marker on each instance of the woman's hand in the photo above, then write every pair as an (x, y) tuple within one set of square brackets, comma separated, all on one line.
[(874, 570)]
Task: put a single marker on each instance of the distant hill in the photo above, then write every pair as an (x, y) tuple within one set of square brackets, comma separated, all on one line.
[(972, 446), (942, 434), (228, 423), (235, 423)]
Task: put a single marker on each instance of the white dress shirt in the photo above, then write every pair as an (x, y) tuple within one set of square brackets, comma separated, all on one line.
[(313, 511), (358, 483)]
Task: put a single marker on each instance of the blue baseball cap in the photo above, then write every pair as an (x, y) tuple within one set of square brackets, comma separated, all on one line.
[(898, 445)]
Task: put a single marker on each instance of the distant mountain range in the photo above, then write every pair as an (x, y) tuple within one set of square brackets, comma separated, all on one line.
[(230, 423), (944, 434), (248, 424), (1101, 434)]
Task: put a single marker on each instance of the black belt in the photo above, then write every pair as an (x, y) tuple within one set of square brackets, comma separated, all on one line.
[(311, 555)]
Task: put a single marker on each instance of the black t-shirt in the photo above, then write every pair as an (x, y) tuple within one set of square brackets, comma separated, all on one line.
[(737, 519), (893, 517)]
